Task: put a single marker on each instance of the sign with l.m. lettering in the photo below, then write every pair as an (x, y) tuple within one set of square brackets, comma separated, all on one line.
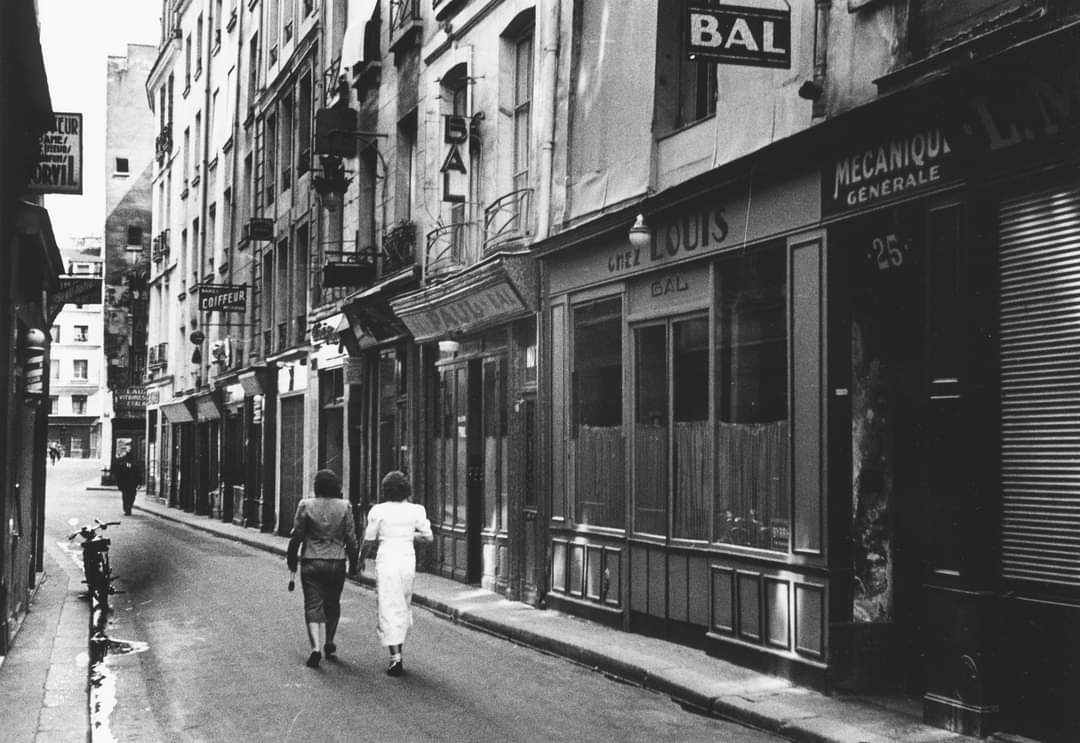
[(740, 35), (223, 297), (59, 169)]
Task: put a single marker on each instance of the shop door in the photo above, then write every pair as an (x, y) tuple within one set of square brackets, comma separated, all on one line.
[(457, 469), (888, 385), (291, 460), (531, 549), (232, 466)]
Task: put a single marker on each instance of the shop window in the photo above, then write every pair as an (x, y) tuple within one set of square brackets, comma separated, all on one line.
[(752, 447), (671, 428), (597, 415), (650, 430)]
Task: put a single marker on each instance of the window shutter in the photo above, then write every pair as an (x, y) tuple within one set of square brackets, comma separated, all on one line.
[(1040, 387)]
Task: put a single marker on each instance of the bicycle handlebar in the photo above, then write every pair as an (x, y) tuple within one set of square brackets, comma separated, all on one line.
[(89, 532)]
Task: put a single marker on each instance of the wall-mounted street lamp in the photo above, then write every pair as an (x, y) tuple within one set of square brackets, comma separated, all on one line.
[(640, 234), (331, 182)]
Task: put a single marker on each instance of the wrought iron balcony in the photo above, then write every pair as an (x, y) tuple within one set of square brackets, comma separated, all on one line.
[(160, 247), (445, 250), (349, 268), (163, 144), (404, 22), (508, 219), (399, 246)]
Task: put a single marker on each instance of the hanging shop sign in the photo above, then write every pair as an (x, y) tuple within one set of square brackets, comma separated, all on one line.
[(223, 297), (59, 169), (129, 402), (895, 168), (740, 35), (455, 174)]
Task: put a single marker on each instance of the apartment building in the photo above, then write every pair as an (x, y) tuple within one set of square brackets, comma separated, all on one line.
[(79, 406), (747, 329)]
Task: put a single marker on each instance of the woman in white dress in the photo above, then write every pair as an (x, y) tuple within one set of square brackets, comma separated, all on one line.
[(394, 524)]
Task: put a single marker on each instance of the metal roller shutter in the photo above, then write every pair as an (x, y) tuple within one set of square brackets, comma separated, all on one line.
[(1040, 387)]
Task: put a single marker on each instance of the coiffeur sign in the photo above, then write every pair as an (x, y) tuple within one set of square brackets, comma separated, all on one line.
[(60, 167), (223, 297)]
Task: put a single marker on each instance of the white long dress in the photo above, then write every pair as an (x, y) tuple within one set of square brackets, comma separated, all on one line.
[(395, 525)]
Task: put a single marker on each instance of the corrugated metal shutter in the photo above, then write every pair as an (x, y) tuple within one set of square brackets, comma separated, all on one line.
[(1040, 387)]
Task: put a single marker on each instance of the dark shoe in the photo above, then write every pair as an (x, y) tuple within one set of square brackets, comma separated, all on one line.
[(313, 659), (395, 669), (329, 650)]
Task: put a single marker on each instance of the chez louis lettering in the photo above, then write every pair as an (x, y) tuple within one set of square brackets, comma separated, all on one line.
[(686, 234), (689, 233)]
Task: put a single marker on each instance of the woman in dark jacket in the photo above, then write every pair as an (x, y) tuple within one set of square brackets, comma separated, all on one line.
[(323, 539)]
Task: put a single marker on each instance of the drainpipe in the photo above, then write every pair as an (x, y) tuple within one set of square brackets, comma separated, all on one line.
[(549, 44), (821, 53)]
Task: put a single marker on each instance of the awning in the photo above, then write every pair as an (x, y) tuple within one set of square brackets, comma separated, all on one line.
[(178, 410), (496, 291), (369, 311), (207, 407), (353, 47)]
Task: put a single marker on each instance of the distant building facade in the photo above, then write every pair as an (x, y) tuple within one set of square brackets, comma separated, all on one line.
[(79, 406), (129, 171)]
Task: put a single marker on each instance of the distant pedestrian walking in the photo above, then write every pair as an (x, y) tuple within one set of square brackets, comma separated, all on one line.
[(126, 475), (393, 525), (323, 539), (54, 452)]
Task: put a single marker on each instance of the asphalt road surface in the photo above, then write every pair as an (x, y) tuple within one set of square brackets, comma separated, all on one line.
[(211, 647)]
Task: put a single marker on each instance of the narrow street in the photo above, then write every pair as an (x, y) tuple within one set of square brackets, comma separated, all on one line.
[(219, 651)]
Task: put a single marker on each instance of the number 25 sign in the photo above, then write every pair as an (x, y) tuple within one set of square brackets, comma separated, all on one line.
[(888, 252)]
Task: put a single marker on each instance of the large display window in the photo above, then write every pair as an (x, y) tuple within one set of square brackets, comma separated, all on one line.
[(597, 413)]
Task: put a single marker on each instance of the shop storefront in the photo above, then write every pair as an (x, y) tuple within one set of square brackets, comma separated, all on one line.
[(477, 334), (687, 430), (382, 401), (207, 464), (178, 473), (292, 383), (258, 386)]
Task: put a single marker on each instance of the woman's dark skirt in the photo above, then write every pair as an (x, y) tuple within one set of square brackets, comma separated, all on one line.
[(322, 581)]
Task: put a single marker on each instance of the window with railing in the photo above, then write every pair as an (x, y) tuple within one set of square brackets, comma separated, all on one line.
[(445, 251), (404, 20), (507, 219)]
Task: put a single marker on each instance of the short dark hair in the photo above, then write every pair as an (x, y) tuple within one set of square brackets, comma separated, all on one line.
[(327, 484), (395, 486)]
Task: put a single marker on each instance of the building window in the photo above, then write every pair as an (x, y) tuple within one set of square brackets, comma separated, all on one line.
[(54, 333), (54, 405), (54, 369), (750, 377), (406, 170), (122, 162), (523, 84), (81, 333), (597, 413), (187, 64), (80, 369), (686, 89), (134, 235), (78, 404)]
